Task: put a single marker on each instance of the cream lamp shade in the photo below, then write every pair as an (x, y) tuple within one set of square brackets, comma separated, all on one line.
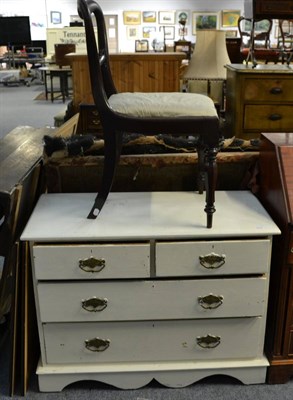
[(209, 57), (206, 70)]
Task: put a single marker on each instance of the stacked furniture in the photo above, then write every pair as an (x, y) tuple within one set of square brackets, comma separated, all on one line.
[(146, 291)]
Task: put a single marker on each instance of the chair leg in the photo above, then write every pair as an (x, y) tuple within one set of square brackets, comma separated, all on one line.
[(200, 169), (211, 179), (112, 151)]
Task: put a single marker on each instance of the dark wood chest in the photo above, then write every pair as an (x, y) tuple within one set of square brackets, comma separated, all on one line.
[(281, 9), (276, 194)]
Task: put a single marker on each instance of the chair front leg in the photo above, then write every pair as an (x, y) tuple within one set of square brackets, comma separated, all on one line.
[(200, 168), (211, 180), (112, 151)]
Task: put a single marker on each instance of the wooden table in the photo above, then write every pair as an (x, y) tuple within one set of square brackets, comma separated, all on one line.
[(63, 75)]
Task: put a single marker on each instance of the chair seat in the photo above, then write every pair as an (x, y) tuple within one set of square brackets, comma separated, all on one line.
[(163, 104), (263, 53)]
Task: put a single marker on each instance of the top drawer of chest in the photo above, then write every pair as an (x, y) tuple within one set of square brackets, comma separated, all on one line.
[(276, 89), (96, 261), (213, 257)]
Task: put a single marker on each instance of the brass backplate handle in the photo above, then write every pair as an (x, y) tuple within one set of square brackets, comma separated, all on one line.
[(210, 301), (92, 264), (208, 341), (97, 344), (94, 304), (212, 260)]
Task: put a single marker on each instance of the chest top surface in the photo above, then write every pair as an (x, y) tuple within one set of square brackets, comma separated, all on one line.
[(145, 216), (261, 69)]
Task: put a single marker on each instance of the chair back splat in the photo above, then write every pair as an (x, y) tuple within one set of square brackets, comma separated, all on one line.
[(146, 113)]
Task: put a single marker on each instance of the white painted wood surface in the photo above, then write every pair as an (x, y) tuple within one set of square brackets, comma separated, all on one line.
[(61, 217), (152, 280), (240, 257), (153, 341), (147, 300), (121, 260)]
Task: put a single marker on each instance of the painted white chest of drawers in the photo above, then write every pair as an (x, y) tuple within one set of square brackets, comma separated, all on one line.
[(147, 291)]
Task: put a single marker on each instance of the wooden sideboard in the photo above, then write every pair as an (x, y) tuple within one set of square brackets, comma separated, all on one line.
[(132, 72), (276, 194), (258, 99)]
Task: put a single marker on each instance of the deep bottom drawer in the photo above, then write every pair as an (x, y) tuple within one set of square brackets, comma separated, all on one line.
[(153, 341)]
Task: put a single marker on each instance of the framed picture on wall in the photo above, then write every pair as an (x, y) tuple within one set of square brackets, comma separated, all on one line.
[(169, 32), (132, 32), (230, 18), (147, 31), (141, 46), (132, 17), (166, 17), (204, 20), (55, 17), (231, 32), (149, 16)]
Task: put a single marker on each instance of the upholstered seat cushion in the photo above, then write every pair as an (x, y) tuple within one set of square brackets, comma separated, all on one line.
[(175, 104)]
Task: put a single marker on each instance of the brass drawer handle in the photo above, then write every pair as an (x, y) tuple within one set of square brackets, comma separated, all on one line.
[(96, 121), (92, 264), (276, 90), (212, 260), (208, 341), (210, 301), (94, 304), (95, 113), (275, 117), (97, 344)]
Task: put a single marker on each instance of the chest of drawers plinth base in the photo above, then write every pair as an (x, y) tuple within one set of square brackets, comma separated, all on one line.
[(54, 378), (146, 291)]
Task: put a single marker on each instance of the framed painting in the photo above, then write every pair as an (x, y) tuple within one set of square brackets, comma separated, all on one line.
[(231, 33), (230, 18), (204, 20), (149, 16), (141, 46), (55, 17), (169, 32), (132, 17), (147, 31), (166, 17), (132, 32)]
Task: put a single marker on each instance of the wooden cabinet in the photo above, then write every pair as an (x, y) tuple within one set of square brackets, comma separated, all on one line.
[(132, 72), (147, 292), (261, 9), (276, 193), (258, 100)]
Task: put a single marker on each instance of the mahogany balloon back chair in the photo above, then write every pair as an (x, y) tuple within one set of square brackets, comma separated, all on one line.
[(146, 113)]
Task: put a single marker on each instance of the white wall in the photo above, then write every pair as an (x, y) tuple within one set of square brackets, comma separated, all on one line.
[(39, 12)]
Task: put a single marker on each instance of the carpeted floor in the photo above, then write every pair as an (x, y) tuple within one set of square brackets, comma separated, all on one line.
[(41, 96), (19, 107)]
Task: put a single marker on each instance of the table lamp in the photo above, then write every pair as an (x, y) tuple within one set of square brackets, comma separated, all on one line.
[(206, 70)]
